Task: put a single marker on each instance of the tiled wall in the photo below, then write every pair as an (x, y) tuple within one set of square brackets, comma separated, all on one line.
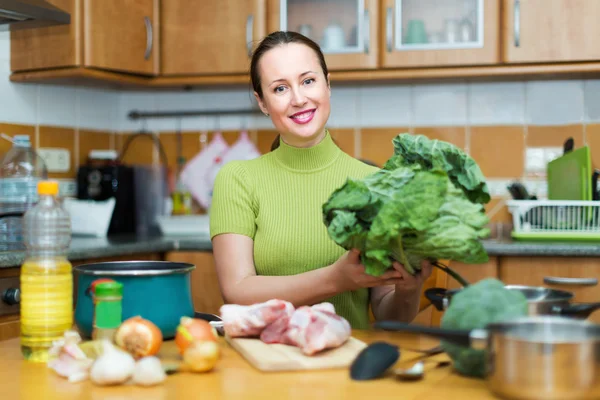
[(494, 122)]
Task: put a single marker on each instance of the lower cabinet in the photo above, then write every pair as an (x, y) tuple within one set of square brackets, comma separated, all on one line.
[(206, 293)]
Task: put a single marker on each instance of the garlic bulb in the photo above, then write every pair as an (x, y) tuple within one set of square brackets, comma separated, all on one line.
[(148, 371), (112, 367)]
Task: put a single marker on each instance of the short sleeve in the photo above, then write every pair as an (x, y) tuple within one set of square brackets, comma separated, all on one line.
[(232, 207)]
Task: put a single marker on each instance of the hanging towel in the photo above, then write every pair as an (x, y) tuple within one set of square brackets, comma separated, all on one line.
[(197, 174)]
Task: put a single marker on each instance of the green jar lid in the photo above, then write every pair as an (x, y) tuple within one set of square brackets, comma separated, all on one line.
[(108, 289)]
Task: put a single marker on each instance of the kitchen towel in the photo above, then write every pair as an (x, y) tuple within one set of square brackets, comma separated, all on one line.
[(198, 175)]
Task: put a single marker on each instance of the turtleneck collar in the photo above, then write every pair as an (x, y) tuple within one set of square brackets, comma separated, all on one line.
[(309, 158)]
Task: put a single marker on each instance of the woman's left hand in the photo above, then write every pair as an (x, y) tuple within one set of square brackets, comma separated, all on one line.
[(410, 282)]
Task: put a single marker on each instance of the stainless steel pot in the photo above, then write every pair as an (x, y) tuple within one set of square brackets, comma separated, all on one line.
[(540, 357), (541, 300)]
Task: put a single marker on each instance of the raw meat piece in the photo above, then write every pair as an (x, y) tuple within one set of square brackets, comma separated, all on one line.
[(317, 328), (250, 321)]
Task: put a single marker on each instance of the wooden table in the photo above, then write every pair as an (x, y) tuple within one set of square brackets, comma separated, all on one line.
[(235, 379)]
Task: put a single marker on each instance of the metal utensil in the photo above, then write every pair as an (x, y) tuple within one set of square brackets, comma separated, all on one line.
[(373, 361), (541, 301), (541, 357)]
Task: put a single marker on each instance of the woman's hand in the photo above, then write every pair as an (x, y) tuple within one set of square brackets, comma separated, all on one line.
[(410, 282), (350, 274)]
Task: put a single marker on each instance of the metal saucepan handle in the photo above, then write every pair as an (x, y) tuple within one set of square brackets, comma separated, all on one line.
[(214, 320), (476, 338), (551, 280), (582, 310), (437, 296)]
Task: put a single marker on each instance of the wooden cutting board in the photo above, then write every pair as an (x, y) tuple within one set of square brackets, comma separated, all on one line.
[(281, 357)]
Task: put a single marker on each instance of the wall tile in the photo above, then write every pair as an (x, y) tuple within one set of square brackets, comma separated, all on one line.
[(592, 135), (92, 140), (385, 106), (497, 211), (18, 101), (64, 138), (496, 103), (97, 109), (57, 106), (554, 136), (190, 145), (453, 134), (499, 150), (591, 92), (12, 130), (554, 102), (264, 139), (439, 104), (139, 101), (376, 143), (344, 139), (5, 45), (140, 150)]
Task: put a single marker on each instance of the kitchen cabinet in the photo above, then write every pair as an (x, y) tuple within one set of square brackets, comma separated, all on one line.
[(113, 35), (215, 37), (206, 293), (550, 30), (579, 276), (346, 30), (419, 33)]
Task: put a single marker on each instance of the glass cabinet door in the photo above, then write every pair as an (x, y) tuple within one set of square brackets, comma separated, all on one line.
[(346, 30), (441, 32)]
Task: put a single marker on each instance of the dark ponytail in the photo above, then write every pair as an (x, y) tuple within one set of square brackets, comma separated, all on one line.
[(275, 39)]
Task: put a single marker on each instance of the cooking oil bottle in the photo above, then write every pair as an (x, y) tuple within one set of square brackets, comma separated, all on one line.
[(46, 278)]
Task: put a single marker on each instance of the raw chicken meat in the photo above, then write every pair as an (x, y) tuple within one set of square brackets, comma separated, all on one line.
[(250, 321), (317, 328)]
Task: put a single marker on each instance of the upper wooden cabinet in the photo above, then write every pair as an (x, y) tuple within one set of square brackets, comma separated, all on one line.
[(346, 30), (211, 36), (419, 33), (117, 35), (551, 30)]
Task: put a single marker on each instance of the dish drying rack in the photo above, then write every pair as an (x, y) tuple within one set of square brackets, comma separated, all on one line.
[(575, 220)]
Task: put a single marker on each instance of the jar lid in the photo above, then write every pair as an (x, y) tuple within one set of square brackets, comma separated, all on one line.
[(108, 289)]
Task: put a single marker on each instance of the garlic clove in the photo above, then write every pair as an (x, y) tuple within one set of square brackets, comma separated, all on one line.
[(112, 367), (148, 371)]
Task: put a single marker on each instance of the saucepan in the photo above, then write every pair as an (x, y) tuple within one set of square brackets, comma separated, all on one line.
[(535, 357), (159, 291), (541, 301)]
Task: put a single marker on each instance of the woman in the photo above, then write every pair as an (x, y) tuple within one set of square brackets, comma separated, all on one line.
[(269, 239)]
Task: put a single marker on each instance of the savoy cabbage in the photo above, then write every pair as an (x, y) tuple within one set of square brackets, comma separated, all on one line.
[(426, 203)]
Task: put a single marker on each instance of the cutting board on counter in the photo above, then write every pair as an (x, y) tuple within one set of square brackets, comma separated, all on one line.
[(570, 176), (281, 357)]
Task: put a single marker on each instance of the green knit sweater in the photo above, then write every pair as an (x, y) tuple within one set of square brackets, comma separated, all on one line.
[(277, 200)]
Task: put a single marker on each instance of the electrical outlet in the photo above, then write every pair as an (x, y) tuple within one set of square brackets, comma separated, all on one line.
[(57, 160)]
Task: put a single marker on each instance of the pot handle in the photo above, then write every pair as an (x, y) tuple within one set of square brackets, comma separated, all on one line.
[(459, 337), (582, 310), (436, 296)]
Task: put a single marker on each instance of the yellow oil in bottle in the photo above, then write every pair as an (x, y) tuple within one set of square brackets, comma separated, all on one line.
[(46, 304)]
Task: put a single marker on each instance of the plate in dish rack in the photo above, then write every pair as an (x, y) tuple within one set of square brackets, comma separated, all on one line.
[(281, 357)]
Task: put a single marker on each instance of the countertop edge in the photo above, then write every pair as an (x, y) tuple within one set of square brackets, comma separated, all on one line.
[(90, 248)]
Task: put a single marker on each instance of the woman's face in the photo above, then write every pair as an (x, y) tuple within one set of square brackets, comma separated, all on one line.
[(295, 93)]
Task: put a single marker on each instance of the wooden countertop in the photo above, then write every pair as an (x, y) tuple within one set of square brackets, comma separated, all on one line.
[(235, 379)]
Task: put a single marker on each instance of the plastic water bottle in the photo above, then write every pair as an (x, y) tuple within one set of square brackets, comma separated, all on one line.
[(20, 171), (46, 279)]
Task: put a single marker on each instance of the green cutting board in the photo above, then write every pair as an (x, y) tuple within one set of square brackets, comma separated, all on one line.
[(570, 176)]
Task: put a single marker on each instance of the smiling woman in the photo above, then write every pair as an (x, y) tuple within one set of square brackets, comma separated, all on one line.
[(269, 239)]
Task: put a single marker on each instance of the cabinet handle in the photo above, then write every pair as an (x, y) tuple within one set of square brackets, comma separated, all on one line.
[(551, 280), (149, 38), (11, 296), (367, 32), (517, 23), (249, 35), (388, 29)]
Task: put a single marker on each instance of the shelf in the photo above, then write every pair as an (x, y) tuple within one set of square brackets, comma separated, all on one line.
[(98, 78)]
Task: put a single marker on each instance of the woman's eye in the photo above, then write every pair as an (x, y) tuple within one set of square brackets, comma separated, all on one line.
[(309, 81), (279, 89)]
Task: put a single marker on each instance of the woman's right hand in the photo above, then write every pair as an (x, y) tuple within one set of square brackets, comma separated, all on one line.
[(350, 273)]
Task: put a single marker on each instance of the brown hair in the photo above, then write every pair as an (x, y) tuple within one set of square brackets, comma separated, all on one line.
[(275, 39)]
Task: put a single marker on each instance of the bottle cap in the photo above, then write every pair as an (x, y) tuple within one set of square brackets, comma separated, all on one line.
[(48, 188), (108, 289)]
